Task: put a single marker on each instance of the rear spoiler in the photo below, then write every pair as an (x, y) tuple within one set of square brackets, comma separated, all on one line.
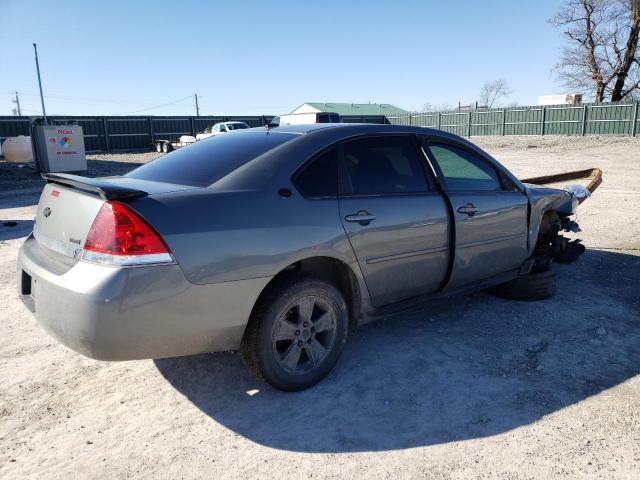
[(97, 186)]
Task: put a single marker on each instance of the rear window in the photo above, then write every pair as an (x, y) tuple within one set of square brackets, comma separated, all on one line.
[(207, 161)]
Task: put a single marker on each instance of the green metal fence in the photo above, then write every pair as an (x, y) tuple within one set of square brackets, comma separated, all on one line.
[(129, 133), (587, 119)]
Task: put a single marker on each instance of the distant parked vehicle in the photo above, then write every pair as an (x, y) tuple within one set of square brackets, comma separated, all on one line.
[(222, 127), (306, 118), (165, 146)]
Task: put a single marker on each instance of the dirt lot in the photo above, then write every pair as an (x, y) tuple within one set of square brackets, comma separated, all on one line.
[(474, 387)]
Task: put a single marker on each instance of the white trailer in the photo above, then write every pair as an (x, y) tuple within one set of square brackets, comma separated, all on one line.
[(165, 146)]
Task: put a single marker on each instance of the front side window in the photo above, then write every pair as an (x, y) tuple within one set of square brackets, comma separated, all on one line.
[(323, 118), (464, 171), (384, 165), (319, 179)]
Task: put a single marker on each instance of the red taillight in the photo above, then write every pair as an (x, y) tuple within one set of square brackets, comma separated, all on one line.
[(119, 232)]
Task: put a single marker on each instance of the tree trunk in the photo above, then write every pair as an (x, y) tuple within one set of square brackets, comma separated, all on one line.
[(599, 92), (590, 44), (630, 52)]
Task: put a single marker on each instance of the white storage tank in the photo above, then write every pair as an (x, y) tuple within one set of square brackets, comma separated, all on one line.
[(17, 149)]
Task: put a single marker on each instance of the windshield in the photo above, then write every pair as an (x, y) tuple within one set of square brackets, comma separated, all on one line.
[(207, 161), (236, 126)]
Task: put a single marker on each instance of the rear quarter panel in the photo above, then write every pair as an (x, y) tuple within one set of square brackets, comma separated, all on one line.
[(226, 236)]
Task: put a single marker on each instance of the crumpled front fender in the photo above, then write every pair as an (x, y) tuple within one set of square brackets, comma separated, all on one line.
[(543, 200)]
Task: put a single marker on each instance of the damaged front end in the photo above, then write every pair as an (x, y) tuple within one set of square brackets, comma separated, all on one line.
[(550, 212)]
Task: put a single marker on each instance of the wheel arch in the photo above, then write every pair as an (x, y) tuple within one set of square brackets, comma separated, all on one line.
[(329, 269)]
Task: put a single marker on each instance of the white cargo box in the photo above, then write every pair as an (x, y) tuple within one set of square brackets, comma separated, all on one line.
[(563, 99)]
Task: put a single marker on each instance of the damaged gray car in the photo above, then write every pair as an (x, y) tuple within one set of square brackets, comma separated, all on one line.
[(280, 240)]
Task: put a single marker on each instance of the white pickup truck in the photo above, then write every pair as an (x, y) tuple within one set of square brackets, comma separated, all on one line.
[(219, 128)]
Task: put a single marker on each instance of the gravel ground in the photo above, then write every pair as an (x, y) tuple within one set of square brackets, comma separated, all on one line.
[(474, 387)]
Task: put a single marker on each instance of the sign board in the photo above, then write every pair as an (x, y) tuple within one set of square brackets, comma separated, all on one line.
[(60, 148)]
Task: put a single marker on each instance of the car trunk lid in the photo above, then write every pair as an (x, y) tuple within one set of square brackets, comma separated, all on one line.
[(69, 205)]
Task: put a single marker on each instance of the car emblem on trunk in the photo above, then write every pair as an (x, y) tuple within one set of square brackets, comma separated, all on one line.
[(46, 212)]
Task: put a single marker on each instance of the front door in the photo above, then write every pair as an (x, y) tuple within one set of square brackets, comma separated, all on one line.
[(397, 224), (490, 215)]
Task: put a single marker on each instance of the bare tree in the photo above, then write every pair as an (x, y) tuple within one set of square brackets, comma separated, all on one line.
[(602, 53), (493, 91), (431, 107)]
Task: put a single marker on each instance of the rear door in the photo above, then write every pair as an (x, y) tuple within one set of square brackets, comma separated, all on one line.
[(396, 222), (490, 213)]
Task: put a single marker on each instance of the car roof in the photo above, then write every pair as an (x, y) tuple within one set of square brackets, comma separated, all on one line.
[(359, 129), (312, 138)]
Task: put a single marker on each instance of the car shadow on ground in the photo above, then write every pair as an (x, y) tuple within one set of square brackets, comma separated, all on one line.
[(469, 367), (12, 229)]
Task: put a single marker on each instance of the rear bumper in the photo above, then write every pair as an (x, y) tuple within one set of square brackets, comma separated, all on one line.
[(111, 313)]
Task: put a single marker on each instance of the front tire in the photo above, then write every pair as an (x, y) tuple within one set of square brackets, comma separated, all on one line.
[(528, 288), (297, 333)]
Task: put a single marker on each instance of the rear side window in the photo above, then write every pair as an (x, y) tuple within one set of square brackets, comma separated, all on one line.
[(384, 165), (323, 118), (207, 161), (464, 171), (319, 179)]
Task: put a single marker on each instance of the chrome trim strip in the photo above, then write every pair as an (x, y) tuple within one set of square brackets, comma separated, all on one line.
[(127, 260), (492, 240), (67, 249), (415, 253)]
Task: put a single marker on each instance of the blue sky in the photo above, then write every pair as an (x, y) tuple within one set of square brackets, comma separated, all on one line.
[(261, 57)]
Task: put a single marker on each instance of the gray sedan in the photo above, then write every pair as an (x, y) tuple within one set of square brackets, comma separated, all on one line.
[(279, 241)]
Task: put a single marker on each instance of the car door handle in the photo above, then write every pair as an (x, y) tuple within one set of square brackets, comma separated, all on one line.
[(470, 209), (362, 217)]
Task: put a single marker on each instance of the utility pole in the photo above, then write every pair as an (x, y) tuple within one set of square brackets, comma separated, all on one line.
[(44, 113), (195, 95), (16, 100)]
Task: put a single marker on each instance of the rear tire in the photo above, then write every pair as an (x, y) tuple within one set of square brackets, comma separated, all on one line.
[(531, 287), (158, 147), (296, 333), (166, 148)]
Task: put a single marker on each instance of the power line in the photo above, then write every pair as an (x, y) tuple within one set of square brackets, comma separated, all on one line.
[(156, 106), (76, 99), (16, 100)]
